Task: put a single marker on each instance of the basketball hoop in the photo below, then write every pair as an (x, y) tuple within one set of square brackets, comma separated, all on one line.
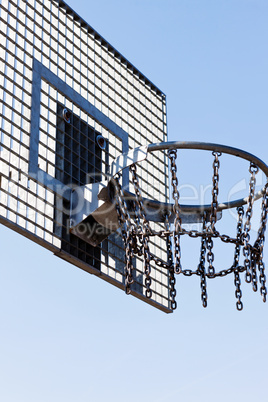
[(137, 232)]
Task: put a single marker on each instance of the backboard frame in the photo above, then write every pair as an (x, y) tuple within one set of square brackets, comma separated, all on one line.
[(25, 52)]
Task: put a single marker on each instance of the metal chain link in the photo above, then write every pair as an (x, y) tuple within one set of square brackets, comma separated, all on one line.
[(172, 154), (127, 232), (146, 230), (237, 281), (222, 273), (259, 244), (215, 190), (210, 256), (196, 233), (172, 279), (213, 214), (262, 279), (138, 249), (201, 266), (253, 266), (249, 276), (140, 231)]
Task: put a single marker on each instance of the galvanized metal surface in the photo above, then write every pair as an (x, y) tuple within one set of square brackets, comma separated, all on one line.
[(137, 234), (127, 159), (77, 69)]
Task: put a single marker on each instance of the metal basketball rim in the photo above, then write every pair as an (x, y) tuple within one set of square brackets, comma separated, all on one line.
[(136, 231)]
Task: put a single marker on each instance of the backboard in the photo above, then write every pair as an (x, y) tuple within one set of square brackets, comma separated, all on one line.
[(70, 104)]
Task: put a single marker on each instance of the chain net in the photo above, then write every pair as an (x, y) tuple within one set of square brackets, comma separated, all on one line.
[(136, 232)]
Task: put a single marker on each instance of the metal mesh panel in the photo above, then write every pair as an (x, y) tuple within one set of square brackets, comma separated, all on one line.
[(51, 59)]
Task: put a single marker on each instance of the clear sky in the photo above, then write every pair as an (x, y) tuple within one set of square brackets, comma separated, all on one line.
[(66, 335)]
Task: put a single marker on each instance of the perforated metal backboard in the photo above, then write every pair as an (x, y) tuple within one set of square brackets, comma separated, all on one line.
[(52, 60)]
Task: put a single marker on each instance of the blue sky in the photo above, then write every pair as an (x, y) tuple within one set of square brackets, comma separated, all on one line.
[(67, 336)]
